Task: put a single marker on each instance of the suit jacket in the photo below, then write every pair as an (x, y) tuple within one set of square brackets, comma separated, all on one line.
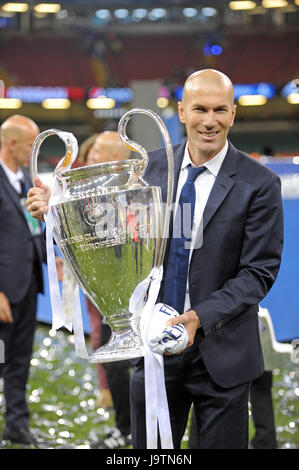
[(237, 263), (21, 254)]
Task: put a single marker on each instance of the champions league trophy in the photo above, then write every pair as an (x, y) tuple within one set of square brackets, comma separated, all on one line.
[(111, 228)]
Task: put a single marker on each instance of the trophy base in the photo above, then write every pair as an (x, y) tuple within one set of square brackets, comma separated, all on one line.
[(121, 346)]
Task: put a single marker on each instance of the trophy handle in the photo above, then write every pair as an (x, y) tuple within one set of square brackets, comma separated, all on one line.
[(170, 159), (70, 154)]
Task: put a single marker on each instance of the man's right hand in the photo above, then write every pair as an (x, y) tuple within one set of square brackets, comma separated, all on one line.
[(5, 311), (38, 199)]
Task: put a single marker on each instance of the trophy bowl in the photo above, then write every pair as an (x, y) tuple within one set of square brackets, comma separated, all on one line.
[(108, 225)]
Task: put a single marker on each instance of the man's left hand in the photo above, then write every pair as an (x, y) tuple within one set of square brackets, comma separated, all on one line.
[(190, 321)]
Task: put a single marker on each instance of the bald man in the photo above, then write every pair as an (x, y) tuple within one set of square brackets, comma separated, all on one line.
[(21, 256), (217, 279), (108, 147)]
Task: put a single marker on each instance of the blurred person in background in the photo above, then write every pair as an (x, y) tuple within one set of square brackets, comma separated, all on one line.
[(21, 278), (107, 147)]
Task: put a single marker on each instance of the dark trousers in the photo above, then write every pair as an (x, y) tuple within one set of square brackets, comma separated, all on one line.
[(262, 412), (18, 340), (193, 442), (222, 414), (118, 377)]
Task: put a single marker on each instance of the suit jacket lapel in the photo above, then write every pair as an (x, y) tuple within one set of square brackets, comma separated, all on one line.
[(222, 186), (11, 192), (178, 158)]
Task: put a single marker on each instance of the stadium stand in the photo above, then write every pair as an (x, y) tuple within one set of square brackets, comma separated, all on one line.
[(248, 58), (36, 56)]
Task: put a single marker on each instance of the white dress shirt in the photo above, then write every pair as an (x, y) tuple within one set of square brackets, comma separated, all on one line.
[(13, 178), (203, 186)]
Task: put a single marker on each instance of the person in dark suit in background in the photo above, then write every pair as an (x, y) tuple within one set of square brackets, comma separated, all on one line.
[(21, 256), (215, 285)]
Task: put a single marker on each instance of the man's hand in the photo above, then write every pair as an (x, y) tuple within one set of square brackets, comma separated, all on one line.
[(38, 199), (190, 321), (5, 311)]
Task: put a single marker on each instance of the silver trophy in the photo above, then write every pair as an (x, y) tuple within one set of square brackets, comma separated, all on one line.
[(111, 228)]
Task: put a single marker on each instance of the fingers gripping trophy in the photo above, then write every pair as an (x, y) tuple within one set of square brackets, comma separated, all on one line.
[(111, 229)]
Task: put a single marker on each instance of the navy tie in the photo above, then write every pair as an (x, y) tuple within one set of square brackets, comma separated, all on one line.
[(178, 259), (23, 192)]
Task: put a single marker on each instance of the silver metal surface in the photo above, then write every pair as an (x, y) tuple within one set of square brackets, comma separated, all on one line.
[(108, 225), (68, 141), (110, 249), (170, 161)]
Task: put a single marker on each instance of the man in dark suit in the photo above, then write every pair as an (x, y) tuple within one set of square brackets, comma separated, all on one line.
[(21, 256), (231, 267)]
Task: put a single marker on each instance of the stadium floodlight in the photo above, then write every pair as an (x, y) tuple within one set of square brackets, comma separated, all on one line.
[(121, 13), (156, 14), (162, 102), (103, 14), (216, 49), (56, 103), (10, 103), (209, 11), (139, 13), (242, 5), (15, 7), (47, 8), (190, 12), (252, 100), (102, 102), (293, 98), (274, 3)]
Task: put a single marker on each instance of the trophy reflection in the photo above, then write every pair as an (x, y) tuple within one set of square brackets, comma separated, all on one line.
[(109, 225)]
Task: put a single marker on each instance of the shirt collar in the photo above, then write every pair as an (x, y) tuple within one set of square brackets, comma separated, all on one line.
[(11, 175), (212, 165)]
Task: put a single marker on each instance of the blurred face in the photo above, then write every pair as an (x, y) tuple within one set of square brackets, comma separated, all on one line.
[(22, 147), (100, 152), (208, 113)]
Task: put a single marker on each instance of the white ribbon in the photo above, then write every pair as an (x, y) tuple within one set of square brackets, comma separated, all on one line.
[(69, 286), (66, 311), (157, 411), (56, 304), (71, 306)]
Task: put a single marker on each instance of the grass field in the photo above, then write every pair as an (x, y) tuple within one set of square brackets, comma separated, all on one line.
[(62, 397)]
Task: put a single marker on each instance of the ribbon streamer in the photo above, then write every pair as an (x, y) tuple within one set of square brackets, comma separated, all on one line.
[(66, 310), (58, 319), (69, 285), (154, 381)]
